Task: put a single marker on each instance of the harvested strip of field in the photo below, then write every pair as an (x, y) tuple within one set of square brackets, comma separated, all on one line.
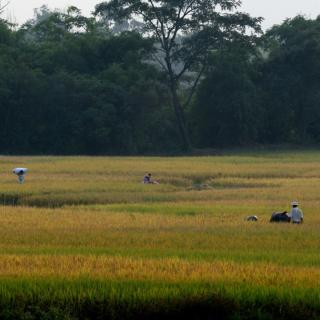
[(256, 178)]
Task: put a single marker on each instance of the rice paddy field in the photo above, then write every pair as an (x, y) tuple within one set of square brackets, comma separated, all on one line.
[(83, 238)]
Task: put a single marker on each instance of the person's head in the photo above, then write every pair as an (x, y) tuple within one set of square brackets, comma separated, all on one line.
[(149, 174), (295, 204)]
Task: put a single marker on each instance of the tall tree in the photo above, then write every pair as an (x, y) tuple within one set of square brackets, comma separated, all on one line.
[(185, 32)]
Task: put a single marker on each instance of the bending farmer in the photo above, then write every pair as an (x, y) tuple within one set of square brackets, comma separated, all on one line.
[(148, 180), (20, 172)]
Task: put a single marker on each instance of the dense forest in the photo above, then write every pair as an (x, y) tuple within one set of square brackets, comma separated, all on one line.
[(137, 79)]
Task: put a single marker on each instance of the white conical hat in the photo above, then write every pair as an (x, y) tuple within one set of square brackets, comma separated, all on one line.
[(295, 203), (18, 170)]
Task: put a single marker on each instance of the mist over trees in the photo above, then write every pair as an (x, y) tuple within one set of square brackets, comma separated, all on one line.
[(178, 77)]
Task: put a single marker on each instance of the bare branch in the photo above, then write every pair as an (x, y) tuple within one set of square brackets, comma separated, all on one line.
[(194, 86), (189, 62), (161, 63), (3, 6), (154, 27)]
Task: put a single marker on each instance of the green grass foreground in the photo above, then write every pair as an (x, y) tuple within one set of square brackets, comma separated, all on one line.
[(88, 299), (83, 238)]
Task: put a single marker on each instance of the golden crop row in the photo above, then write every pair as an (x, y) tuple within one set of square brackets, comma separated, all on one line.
[(172, 269)]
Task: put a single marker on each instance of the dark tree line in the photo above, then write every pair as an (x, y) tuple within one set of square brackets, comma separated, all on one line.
[(266, 96), (72, 85), (67, 86)]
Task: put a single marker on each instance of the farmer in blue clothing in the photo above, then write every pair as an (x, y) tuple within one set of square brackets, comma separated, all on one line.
[(147, 179), (296, 214)]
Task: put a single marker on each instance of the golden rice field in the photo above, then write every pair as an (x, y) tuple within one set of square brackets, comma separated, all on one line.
[(83, 238)]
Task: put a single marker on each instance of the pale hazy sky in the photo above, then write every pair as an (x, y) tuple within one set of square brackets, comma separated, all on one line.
[(274, 11)]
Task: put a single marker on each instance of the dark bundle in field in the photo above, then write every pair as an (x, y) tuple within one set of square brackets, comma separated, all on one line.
[(280, 217)]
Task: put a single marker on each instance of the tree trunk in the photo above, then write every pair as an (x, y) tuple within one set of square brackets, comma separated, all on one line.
[(180, 118), (176, 104)]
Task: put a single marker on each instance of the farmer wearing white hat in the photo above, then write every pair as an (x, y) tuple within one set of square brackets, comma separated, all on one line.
[(296, 214)]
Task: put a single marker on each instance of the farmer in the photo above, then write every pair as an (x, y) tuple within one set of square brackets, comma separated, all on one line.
[(296, 214), (20, 172), (147, 179)]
